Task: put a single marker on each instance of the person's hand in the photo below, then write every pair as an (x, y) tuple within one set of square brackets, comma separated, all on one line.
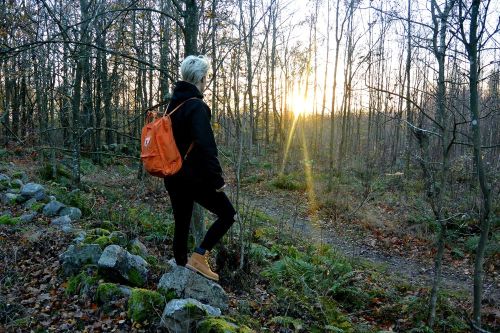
[(221, 189)]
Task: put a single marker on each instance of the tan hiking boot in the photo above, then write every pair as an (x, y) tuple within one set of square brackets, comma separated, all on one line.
[(199, 263)]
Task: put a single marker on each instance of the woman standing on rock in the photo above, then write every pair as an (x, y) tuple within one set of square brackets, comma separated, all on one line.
[(200, 178)]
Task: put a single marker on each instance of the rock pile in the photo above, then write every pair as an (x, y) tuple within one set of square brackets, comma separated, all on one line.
[(183, 301), (33, 197)]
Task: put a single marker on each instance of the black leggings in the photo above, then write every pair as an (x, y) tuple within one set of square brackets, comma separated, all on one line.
[(183, 194)]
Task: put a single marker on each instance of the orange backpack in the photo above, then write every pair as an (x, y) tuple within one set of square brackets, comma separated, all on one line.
[(159, 153)]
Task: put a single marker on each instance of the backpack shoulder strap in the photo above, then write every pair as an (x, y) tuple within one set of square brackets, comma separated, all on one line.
[(179, 106)]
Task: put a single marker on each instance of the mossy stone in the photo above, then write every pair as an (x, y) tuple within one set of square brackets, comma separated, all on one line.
[(98, 232), (135, 278), (107, 225), (138, 250), (118, 238), (144, 304), (80, 284), (107, 292)]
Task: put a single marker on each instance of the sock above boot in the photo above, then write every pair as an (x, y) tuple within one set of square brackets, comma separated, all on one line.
[(200, 250)]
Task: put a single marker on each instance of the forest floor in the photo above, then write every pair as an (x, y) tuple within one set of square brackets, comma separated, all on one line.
[(411, 259), (34, 296)]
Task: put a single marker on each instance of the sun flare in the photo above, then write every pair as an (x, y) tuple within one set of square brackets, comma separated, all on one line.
[(300, 104)]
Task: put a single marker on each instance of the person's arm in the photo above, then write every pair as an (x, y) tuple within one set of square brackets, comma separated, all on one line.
[(204, 141)]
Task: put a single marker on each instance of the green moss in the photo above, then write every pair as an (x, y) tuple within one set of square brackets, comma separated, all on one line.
[(98, 232), (9, 220), (136, 249), (37, 207), (102, 241), (81, 200), (18, 175), (168, 294), (217, 325), (118, 238), (287, 182), (4, 184), (288, 322), (81, 283), (135, 278), (46, 172), (152, 260), (145, 304), (107, 292), (21, 322), (15, 185), (221, 325)]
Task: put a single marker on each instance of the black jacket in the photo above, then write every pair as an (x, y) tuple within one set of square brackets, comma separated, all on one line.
[(191, 123)]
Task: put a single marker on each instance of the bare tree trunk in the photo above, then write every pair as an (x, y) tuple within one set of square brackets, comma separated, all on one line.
[(440, 19), (472, 47)]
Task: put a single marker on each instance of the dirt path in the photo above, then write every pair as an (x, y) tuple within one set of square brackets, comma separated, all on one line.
[(419, 272)]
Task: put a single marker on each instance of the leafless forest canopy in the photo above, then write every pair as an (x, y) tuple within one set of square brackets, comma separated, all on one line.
[(363, 75)]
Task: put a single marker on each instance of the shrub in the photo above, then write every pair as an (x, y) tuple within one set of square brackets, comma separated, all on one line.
[(287, 182)]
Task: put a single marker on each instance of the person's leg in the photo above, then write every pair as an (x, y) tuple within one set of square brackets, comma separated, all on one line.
[(219, 204), (182, 206)]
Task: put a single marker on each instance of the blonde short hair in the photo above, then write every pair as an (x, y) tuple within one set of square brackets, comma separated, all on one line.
[(194, 68)]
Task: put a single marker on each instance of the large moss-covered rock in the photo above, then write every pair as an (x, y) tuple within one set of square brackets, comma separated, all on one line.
[(137, 248), (144, 304), (118, 264), (77, 256), (182, 315), (188, 284), (109, 292)]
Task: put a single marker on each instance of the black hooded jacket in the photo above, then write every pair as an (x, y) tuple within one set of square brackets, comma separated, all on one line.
[(191, 123)]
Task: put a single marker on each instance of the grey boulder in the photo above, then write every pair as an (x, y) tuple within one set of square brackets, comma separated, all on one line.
[(119, 264), (9, 198), (136, 247), (182, 315), (33, 190), (63, 223), (77, 256), (73, 212), (53, 208), (80, 237), (4, 181), (28, 204), (28, 217), (188, 284)]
